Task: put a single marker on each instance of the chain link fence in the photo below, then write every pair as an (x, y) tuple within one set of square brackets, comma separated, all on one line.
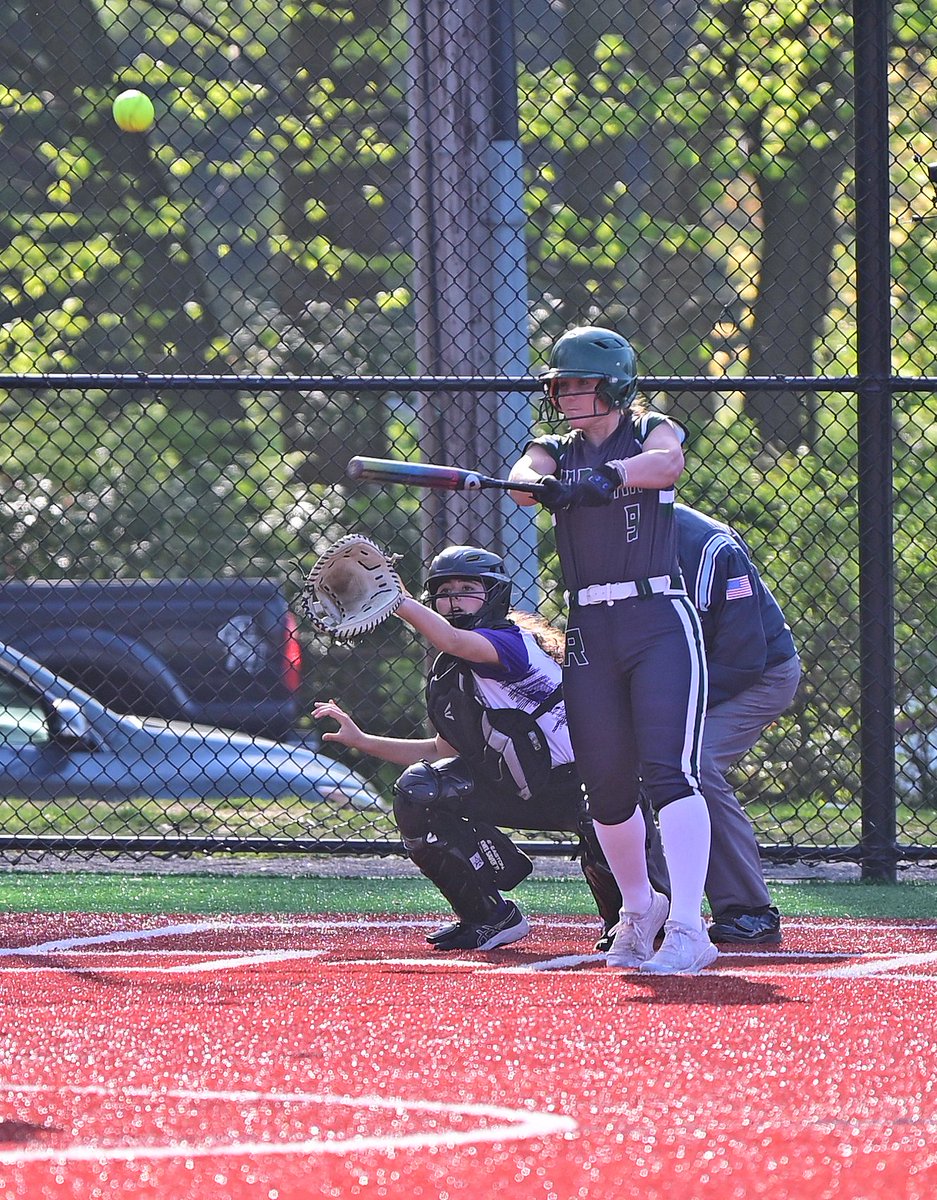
[(356, 229)]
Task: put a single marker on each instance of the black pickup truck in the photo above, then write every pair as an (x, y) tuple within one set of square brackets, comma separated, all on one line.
[(208, 651)]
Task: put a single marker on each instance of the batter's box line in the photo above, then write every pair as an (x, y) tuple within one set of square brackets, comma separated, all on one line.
[(890, 963), (752, 966), (114, 938)]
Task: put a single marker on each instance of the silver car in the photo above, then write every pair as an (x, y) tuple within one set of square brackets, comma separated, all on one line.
[(57, 741)]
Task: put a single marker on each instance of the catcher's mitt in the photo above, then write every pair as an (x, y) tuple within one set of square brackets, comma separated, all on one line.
[(352, 588)]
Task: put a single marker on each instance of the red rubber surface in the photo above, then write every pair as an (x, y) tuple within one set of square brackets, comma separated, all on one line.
[(280, 1058)]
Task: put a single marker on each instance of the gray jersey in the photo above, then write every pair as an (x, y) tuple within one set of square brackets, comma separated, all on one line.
[(635, 536)]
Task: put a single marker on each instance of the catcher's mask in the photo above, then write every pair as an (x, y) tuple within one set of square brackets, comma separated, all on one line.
[(588, 352), (471, 562)]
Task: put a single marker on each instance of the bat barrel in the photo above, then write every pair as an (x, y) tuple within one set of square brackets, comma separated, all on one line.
[(427, 475), (387, 470)]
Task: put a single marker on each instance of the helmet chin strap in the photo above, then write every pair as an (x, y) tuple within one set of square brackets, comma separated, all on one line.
[(592, 416), (560, 416)]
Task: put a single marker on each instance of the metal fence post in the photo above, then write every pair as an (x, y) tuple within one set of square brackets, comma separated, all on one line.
[(875, 393), (509, 294)]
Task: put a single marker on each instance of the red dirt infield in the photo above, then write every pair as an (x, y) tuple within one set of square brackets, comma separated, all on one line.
[(287, 1057)]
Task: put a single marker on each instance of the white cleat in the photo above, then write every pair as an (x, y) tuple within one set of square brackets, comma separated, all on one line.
[(684, 951), (635, 934)]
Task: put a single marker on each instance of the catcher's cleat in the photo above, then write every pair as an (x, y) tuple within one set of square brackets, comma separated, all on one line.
[(510, 928), (684, 951), (759, 928), (634, 937), (446, 932)]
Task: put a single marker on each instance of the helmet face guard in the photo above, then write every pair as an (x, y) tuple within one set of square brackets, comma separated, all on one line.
[(589, 352), (471, 562), (551, 388)]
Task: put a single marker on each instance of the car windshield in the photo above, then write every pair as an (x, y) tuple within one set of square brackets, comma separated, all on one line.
[(22, 718)]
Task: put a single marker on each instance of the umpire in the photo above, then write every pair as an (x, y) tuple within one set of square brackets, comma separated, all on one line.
[(754, 671)]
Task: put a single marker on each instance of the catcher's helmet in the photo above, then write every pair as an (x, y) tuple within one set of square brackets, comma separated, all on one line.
[(588, 352), (471, 562)]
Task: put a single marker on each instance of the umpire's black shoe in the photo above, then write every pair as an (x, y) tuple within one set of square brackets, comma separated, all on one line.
[(759, 928), (511, 927), (604, 944)]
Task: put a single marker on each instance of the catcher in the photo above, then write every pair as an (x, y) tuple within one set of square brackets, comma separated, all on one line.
[(501, 755)]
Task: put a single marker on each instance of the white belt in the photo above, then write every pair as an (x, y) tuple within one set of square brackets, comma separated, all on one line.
[(608, 593)]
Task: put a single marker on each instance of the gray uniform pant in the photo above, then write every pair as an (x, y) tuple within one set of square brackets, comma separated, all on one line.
[(735, 879)]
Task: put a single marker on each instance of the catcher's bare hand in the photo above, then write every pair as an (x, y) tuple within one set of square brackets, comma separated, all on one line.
[(347, 734), (352, 588)]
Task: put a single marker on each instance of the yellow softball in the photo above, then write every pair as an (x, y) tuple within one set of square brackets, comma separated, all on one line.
[(133, 111)]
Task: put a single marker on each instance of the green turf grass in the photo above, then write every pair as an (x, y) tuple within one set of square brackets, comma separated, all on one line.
[(82, 891)]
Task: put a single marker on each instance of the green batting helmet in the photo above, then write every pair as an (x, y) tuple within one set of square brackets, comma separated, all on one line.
[(588, 352)]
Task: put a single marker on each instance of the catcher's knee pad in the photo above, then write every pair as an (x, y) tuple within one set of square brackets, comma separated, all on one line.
[(447, 782), (465, 879), (427, 788), (508, 864), (492, 855), (430, 802)]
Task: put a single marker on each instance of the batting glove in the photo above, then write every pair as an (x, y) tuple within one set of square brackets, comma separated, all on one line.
[(555, 495), (598, 488)]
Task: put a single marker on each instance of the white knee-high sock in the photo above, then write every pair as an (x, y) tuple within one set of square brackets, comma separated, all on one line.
[(685, 834), (623, 846)]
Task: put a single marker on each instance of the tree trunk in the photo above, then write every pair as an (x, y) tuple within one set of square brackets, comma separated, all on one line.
[(455, 256), (793, 293)]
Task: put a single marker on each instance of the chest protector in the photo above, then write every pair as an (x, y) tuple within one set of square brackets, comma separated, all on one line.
[(506, 745)]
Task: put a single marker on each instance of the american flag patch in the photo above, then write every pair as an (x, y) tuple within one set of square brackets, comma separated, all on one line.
[(738, 589)]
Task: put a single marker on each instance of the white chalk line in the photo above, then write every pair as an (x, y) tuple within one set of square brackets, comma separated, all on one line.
[(565, 962), (243, 960), (515, 1125), (115, 937), (894, 962), (119, 937)]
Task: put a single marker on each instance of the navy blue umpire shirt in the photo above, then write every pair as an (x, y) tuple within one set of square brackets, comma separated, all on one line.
[(743, 626)]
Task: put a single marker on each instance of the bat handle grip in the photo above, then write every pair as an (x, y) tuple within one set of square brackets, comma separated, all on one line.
[(532, 488)]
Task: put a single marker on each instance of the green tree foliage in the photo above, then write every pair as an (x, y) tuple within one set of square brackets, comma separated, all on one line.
[(617, 235), (97, 261)]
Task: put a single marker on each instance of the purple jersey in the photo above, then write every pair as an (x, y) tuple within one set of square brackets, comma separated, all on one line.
[(632, 538)]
